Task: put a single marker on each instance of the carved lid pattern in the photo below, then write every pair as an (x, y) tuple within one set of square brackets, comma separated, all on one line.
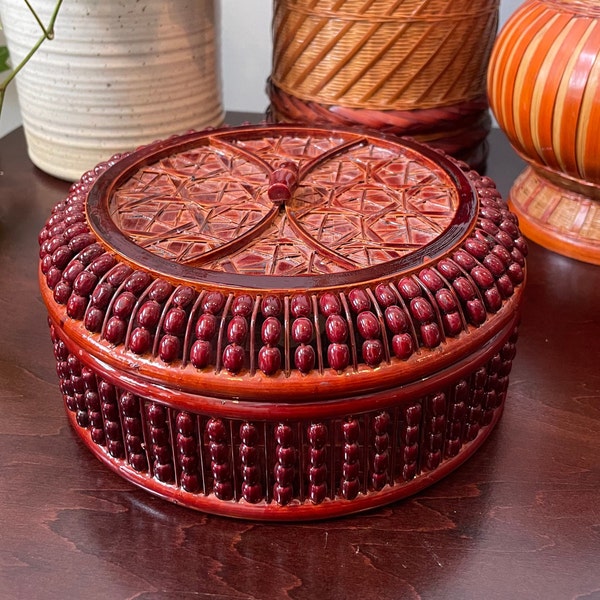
[(352, 202), (354, 205), (278, 252)]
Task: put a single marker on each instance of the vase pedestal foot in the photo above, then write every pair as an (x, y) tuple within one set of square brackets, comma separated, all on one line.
[(558, 218)]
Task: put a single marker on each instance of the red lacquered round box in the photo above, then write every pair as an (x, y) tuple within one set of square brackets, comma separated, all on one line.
[(283, 322)]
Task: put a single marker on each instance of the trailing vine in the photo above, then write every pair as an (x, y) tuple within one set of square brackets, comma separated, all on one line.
[(47, 34)]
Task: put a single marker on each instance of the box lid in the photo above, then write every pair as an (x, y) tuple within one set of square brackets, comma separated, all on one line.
[(263, 262)]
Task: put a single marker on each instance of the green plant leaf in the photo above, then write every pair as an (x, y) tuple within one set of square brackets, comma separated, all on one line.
[(4, 66)]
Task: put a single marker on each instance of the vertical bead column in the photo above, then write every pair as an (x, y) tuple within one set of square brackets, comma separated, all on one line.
[(434, 430), (220, 459), (206, 330), (381, 457), (112, 424), (410, 435), (187, 451), (317, 455), (283, 489), (302, 333), (351, 465), (456, 418), (78, 388), (160, 446), (336, 329), (133, 431), (92, 402), (249, 457), (474, 410)]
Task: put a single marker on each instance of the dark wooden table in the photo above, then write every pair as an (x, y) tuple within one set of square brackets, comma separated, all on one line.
[(521, 519)]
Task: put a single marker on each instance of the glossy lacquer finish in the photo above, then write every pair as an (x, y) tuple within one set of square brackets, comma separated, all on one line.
[(543, 88), (519, 519), (283, 322)]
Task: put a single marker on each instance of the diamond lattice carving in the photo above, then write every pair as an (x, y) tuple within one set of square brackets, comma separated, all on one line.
[(355, 205)]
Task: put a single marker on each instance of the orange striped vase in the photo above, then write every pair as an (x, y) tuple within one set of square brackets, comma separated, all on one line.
[(544, 90)]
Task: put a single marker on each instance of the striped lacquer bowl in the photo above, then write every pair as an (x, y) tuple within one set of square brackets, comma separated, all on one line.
[(544, 89)]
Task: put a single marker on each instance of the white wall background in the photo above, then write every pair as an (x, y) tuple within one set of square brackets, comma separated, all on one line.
[(245, 56)]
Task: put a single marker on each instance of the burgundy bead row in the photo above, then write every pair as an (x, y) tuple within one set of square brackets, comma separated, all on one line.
[(497, 244), (410, 436), (129, 307), (351, 465), (187, 451), (285, 461), (317, 457), (133, 429), (434, 428), (249, 457), (160, 442)]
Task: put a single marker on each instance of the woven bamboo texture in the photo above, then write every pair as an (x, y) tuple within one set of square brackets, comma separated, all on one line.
[(459, 130), (556, 217), (589, 8), (383, 54)]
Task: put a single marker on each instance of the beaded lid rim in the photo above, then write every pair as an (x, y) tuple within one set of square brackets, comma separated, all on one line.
[(364, 337)]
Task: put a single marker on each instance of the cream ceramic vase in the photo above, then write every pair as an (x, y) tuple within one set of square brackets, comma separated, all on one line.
[(118, 74)]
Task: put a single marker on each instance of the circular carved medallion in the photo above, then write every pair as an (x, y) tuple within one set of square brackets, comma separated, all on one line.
[(291, 204)]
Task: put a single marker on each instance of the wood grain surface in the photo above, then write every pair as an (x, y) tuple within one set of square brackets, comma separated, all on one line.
[(521, 519)]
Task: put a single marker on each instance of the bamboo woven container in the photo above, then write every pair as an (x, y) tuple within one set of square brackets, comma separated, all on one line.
[(415, 67), (544, 91)]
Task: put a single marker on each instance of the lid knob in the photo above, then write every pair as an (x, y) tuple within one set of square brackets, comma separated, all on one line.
[(282, 182)]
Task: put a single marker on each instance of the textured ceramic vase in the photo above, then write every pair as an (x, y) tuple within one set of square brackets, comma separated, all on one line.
[(544, 89), (407, 67), (117, 75)]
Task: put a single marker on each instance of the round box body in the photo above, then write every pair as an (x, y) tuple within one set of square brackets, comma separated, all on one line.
[(283, 322)]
